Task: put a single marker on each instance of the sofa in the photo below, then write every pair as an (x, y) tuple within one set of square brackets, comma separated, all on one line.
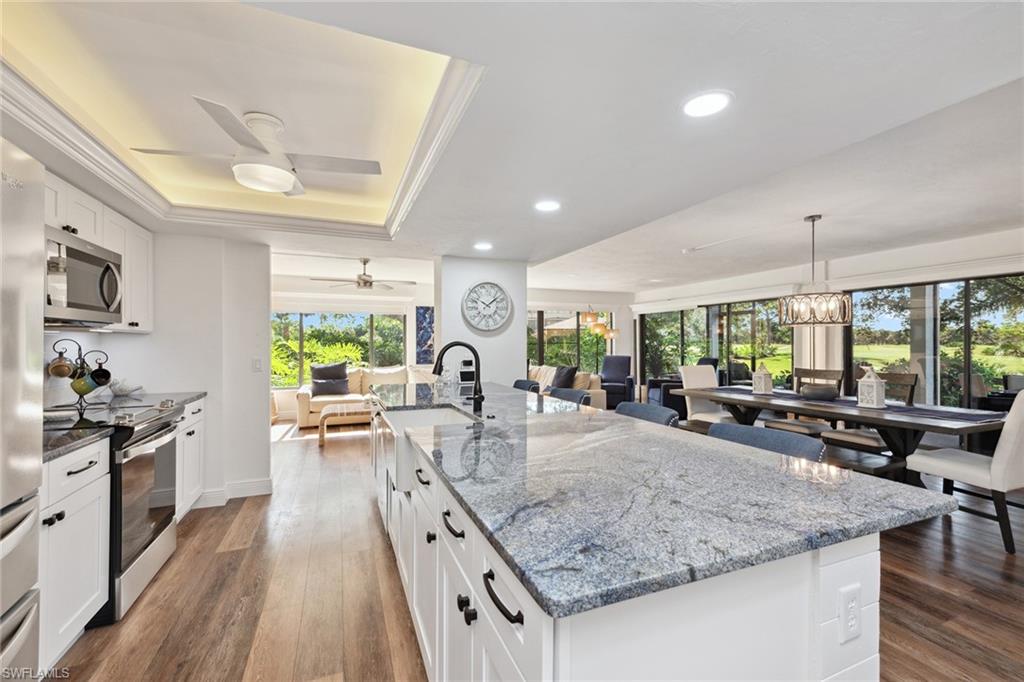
[(591, 383), (360, 379), (619, 386)]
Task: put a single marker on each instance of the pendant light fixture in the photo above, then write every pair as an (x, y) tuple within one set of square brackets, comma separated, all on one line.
[(589, 317), (813, 305)]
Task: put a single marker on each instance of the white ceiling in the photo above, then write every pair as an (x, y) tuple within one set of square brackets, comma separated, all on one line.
[(315, 265), (956, 172), (582, 102)]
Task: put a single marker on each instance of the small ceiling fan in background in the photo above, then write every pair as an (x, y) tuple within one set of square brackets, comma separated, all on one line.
[(261, 162), (364, 280)]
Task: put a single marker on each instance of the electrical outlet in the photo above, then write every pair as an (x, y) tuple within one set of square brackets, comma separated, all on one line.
[(849, 612), (257, 365)]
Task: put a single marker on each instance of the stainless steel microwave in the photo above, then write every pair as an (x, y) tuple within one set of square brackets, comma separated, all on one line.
[(84, 285)]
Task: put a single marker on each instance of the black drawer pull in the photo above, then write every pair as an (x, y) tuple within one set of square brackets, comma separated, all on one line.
[(49, 520), (418, 472), (509, 616), (461, 601), (469, 615), (59, 516), (190, 433), (431, 536), (197, 410), (90, 465), (451, 529)]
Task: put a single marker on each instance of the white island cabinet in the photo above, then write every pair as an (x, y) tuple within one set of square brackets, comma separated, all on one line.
[(525, 554), (190, 453)]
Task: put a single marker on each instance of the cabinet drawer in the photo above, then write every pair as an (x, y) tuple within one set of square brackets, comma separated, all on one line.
[(194, 411), (74, 471), (456, 529), (524, 629)]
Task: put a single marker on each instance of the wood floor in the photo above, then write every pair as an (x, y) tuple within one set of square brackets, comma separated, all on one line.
[(301, 585)]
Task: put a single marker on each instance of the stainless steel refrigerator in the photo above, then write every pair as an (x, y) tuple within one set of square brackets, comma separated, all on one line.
[(22, 273)]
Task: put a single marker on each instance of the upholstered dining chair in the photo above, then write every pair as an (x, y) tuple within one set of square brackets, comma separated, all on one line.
[(648, 412), (792, 444), (699, 409), (526, 385), (572, 395), (801, 377), (1013, 382), (898, 386), (999, 474)]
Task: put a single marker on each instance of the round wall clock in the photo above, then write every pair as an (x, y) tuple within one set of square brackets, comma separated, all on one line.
[(486, 306)]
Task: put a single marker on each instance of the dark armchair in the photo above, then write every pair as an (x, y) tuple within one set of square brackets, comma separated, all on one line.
[(658, 394), (616, 381)]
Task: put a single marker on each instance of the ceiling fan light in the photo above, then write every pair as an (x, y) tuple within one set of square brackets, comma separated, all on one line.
[(263, 177)]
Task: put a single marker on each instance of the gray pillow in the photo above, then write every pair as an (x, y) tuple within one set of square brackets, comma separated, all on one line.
[(330, 387), (564, 377), (338, 371)]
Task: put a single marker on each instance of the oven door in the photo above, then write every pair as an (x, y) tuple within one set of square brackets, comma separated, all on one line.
[(147, 472), (83, 281)]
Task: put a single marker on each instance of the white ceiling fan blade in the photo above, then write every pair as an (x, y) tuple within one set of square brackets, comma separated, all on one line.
[(231, 124), (333, 279), (343, 284), (381, 285), (297, 189), (175, 152), (399, 282), (334, 164)]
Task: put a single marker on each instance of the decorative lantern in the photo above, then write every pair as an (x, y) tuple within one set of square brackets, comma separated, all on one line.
[(870, 390), (762, 380)]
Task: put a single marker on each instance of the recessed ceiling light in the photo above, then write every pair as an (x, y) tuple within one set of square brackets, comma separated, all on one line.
[(547, 205), (707, 103), (483, 246), (685, 251)]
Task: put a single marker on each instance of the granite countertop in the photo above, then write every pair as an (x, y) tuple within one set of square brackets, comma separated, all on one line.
[(589, 508), (59, 442)]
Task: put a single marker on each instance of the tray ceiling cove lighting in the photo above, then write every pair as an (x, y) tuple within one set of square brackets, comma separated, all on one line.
[(707, 103), (813, 305)]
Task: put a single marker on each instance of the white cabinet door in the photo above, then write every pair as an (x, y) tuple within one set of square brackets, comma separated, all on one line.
[(138, 257), (85, 214), (425, 582), (73, 564), (180, 509), (55, 195), (455, 640), (192, 480), (405, 539), (491, 660)]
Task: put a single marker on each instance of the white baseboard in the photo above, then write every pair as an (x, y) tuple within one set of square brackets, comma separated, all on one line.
[(211, 498), (248, 488)]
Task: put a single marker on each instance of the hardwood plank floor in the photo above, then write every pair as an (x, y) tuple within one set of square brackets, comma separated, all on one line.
[(302, 585)]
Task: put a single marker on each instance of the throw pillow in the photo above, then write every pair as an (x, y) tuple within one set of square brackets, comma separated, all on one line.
[(330, 387), (337, 371), (582, 380), (563, 378)]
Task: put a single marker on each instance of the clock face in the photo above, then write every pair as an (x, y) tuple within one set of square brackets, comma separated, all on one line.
[(486, 306)]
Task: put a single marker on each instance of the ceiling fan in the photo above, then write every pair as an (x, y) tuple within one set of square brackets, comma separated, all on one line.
[(364, 280), (261, 163)]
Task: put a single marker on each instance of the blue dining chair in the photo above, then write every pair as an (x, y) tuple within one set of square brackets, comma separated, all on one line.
[(648, 412), (784, 442), (573, 395), (526, 385)]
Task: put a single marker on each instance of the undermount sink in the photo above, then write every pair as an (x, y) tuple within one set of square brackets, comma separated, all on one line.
[(402, 458)]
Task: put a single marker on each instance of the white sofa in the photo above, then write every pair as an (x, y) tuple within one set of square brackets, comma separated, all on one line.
[(360, 379), (591, 383)]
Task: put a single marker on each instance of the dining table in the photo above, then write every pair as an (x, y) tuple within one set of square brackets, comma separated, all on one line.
[(901, 426)]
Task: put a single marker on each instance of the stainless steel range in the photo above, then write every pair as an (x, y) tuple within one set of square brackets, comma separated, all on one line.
[(142, 478)]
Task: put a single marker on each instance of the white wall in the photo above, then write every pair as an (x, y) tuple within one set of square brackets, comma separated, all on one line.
[(502, 352)]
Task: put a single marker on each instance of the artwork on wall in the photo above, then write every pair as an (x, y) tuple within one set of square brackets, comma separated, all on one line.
[(424, 334)]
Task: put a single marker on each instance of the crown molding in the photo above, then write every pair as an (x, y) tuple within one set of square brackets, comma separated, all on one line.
[(456, 90), (23, 103)]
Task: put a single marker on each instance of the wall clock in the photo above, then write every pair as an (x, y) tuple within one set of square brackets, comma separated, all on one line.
[(486, 306)]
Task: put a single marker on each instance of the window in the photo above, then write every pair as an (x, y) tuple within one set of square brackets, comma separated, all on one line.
[(593, 346), (695, 335), (361, 339), (534, 319), (556, 337), (662, 339)]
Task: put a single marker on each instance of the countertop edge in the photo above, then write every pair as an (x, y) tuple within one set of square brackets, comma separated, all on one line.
[(58, 452)]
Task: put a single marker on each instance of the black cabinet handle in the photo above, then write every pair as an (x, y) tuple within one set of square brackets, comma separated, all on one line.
[(457, 533), (418, 472), (509, 616), (469, 615), (49, 520), (431, 536), (59, 516), (461, 601), (197, 410), (179, 420), (90, 465), (190, 433)]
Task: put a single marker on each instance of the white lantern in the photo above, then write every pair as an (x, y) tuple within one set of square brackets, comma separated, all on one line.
[(762, 380), (870, 390)]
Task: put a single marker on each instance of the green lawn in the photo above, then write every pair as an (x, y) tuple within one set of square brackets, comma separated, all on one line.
[(880, 355)]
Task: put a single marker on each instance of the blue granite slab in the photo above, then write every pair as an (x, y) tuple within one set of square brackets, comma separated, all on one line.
[(589, 508), (59, 443)]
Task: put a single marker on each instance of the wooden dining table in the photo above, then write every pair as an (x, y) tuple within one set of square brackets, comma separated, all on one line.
[(901, 427)]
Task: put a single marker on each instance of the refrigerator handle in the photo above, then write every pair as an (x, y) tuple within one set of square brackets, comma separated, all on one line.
[(18, 533)]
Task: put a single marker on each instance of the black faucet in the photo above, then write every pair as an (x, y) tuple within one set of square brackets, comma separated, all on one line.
[(478, 391)]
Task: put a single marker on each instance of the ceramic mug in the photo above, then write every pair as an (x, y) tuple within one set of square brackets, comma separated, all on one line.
[(60, 366), (81, 370), (84, 385), (100, 375)]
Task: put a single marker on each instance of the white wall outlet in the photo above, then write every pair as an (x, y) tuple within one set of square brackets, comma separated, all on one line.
[(849, 612), (257, 365)]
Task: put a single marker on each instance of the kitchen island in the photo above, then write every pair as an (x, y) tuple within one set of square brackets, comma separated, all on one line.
[(580, 544)]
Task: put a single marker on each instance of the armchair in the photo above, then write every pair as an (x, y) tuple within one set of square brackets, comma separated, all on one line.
[(658, 393), (616, 381)]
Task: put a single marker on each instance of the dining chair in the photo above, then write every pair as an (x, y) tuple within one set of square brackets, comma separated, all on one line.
[(999, 474), (648, 412), (898, 386), (700, 409), (572, 395), (1013, 382), (526, 385), (801, 377), (784, 442)]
